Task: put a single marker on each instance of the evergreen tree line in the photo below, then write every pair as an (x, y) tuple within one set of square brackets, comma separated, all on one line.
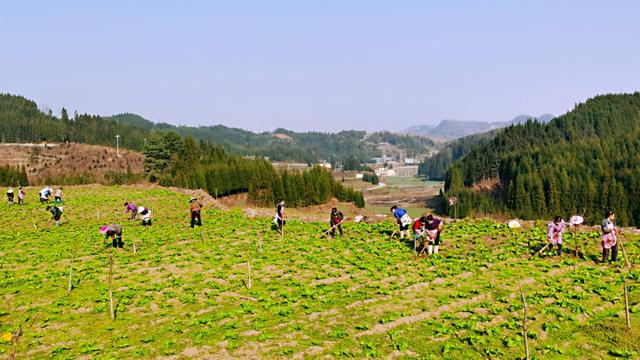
[(173, 161), (583, 162), (371, 178), (13, 176), (22, 121)]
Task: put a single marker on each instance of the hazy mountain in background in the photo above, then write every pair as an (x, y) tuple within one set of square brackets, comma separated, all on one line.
[(454, 129), (419, 129)]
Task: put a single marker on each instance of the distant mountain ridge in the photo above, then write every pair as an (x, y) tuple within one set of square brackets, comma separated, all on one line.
[(454, 129)]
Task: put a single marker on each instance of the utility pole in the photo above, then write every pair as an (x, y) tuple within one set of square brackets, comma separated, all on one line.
[(117, 145)]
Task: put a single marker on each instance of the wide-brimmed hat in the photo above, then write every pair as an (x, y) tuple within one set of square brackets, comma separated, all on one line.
[(103, 229)]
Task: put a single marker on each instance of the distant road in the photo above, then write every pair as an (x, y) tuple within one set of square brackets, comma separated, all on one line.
[(379, 186)]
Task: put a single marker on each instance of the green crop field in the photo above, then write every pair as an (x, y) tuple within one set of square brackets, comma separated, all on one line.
[(188, 293)]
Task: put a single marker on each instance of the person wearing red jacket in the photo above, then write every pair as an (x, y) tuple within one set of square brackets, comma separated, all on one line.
[(419, 231)]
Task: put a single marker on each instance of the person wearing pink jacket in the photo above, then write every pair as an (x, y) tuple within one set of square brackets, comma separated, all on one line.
[(554, 235), (609, 237)]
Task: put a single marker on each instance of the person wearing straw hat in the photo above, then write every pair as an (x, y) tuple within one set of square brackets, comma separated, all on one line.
[(10, 195), (115, 232), (554, 235), (609, 237), (145, 215), (196, 208), (44, 194)]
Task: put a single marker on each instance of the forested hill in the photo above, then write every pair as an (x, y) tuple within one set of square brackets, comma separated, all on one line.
[(435, 166), (22, 121), (587, 160), (169, 159), (283, 144)]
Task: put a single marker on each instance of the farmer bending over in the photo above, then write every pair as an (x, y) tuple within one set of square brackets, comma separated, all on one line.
[(403, 219), (57, 196), (278, 219), (419, 231), (336, 221), (44, 195), (146, 215), (115, 232), (434, 228), (609, 237), (554, 235), (131, 207), (10, 195), (56, 212), (196, 208)]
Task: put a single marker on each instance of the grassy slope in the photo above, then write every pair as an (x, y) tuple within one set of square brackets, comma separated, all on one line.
[(361, 296)]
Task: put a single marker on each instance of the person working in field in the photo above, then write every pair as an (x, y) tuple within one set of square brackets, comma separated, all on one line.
[(554, 235), (403, 219), (115, 232), (419, 231), (57, 196), (44, 195), (434, 228), (21, 195), (609, 237), (56, 212), (131, 207), (196, 208), (145, 214), (10, 195), (336, 221), (278, 219)]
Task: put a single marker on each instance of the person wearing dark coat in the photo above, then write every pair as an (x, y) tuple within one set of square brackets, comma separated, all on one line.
[(115, 232), (336, 221)]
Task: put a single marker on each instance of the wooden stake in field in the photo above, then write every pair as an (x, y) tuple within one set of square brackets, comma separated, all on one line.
[(98, 215), (524, 325), (249, 274), (134, 246), (34, 224), (201, 233), (260, 242), (111, 309), (624, 253), (626, 306), (73, 255)]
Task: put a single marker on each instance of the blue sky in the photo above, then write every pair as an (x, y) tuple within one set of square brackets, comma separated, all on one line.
[(322, 65)]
